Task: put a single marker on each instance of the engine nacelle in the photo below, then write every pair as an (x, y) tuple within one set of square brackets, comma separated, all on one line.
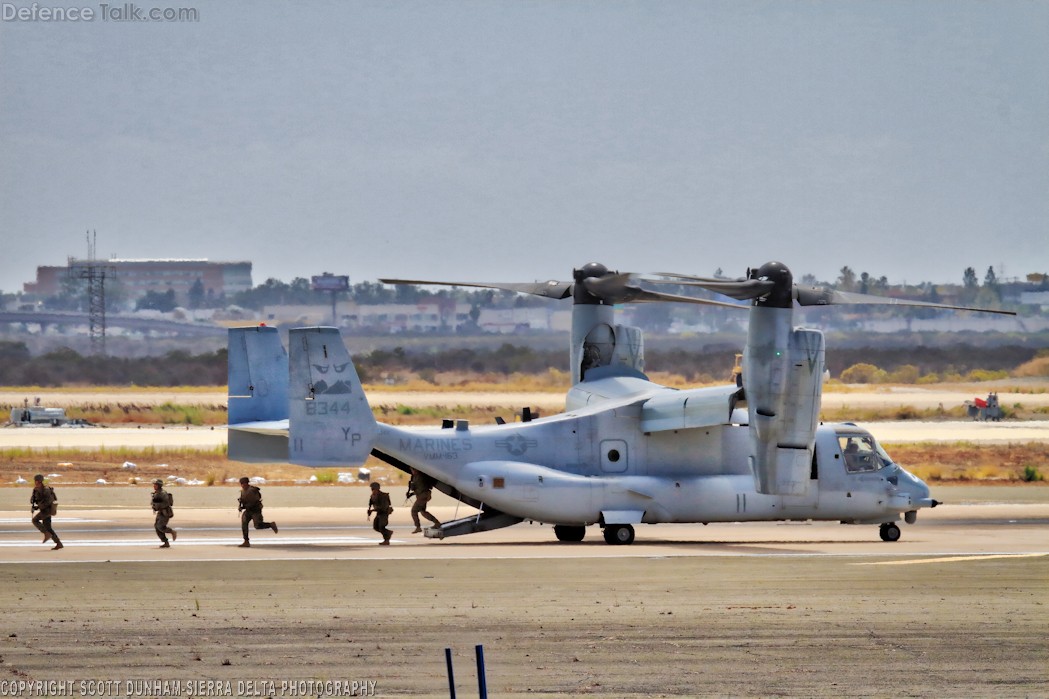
[(783, 382), (598, 342)]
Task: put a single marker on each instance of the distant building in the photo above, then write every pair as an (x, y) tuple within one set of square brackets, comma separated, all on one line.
[(434, 316), (511, 320), (137, 277), (442, 315), (294, 315), (1035, 298)]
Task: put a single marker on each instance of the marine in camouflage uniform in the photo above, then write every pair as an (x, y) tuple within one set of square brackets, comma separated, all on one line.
[(250, 506), (44, 503), (162, 502), (421, 486), (379, 503)]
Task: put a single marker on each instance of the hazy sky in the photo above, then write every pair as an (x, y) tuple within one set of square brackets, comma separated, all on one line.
[(514, 141)]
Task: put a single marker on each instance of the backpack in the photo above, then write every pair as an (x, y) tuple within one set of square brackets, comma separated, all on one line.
[(54, 501)]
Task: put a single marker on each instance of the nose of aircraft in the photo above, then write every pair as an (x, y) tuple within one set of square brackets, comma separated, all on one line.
[(916, 488)]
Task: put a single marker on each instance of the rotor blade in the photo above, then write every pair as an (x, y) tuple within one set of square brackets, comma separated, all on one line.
[(611, 288), (551, 289), (819, 296), (617, 289), (742, 289), (646, 296), (693, 278)]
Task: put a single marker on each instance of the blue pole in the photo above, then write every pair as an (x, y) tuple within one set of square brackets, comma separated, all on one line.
[(451, 675), (482, 686)]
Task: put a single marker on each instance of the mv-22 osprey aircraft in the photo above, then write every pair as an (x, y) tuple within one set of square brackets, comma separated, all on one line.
[(626, 451)]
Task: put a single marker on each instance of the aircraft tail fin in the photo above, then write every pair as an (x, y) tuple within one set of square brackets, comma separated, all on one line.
[(331, 422), (257, 375)]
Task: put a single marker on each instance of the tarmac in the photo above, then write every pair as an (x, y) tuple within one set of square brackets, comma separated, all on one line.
[(115, 524), (955, 608)]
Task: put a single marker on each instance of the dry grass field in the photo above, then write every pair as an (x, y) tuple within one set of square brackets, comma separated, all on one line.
[(933, 462), (425, 404)]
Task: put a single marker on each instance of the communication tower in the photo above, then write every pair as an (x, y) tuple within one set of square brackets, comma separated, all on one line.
[(94, 272)]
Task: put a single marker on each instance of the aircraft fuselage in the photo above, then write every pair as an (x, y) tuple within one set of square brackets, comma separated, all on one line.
[(578, 467)]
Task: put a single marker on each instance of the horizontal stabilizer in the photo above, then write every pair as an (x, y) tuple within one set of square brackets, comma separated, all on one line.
[(271, 427), (257, 447)]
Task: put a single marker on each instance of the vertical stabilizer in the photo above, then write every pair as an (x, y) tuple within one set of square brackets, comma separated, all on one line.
[(331, 422), (258, 375)]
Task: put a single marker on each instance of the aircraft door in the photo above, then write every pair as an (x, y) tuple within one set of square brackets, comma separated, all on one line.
[(615, 456)]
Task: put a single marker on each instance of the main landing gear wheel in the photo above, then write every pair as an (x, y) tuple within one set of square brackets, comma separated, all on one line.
[(619, 534), (565, 532), (889, 532)]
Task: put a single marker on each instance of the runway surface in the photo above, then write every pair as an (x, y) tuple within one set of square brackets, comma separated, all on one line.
[(343, 533), (953, 609), (956, 608)]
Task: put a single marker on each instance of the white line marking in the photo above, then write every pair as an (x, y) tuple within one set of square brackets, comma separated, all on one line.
[(56, 520), (952, 559), (397, 557), (118, 543), (122, 530)]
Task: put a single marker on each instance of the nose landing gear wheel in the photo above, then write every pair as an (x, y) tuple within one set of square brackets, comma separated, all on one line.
[(889, 532), (619, 534)]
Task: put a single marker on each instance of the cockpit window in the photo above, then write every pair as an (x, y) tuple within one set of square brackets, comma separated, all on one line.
[(862, 454)]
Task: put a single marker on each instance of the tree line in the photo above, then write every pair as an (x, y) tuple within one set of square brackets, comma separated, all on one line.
[(274, 292), (65, 367), (299, 292)]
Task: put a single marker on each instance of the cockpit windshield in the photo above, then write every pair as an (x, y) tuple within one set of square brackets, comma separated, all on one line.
[(862, 453)]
